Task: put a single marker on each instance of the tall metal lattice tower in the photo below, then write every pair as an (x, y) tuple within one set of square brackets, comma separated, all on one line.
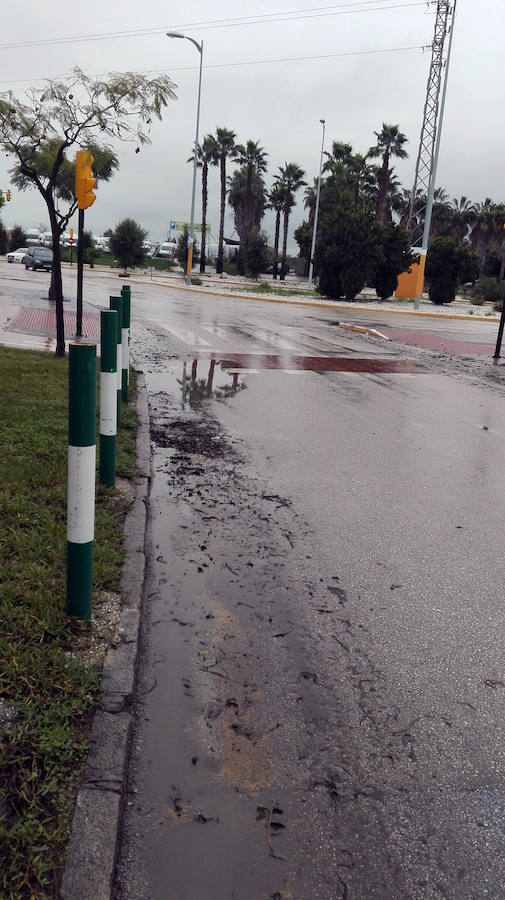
[(422, 197)]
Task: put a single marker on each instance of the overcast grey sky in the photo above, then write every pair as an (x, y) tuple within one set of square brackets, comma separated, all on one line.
[(277, 103)]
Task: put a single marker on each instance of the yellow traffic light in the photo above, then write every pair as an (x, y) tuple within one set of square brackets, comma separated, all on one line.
[(8, 195), (84, 179)]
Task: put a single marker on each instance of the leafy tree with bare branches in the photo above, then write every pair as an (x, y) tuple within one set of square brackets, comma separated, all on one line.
[(39, 132)]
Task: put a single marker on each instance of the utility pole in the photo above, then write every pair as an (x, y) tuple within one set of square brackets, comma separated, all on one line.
[(316, 213), (429, 145)]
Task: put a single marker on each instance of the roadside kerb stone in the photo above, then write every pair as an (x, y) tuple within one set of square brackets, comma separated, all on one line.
[(91, 859), (91, 856)]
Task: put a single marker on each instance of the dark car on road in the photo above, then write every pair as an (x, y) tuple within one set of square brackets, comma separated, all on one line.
[(39, 258)]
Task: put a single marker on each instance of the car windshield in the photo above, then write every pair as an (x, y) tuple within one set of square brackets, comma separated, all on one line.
[(42, 253)]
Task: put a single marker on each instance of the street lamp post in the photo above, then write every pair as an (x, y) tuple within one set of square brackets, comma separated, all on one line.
[(314, 230), (199, 47)]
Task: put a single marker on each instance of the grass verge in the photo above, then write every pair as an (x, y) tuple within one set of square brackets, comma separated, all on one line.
[(264, 287), (50, 692)]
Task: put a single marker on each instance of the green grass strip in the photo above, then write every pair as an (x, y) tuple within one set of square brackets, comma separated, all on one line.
[(266, 287), (54, 695)]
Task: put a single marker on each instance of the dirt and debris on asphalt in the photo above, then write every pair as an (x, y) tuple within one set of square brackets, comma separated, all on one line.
[(282, 749)]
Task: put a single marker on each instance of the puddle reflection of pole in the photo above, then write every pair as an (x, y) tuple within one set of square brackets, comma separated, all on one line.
[(184, 379), (210, 379)]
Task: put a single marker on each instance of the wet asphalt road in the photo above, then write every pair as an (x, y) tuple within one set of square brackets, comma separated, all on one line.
[(320, 705), (321, 698)]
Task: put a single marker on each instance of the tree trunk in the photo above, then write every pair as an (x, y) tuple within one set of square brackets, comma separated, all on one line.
[(285, 242), (205, 169), (56, 287), (276, 241), (219, 261), (383, 188)]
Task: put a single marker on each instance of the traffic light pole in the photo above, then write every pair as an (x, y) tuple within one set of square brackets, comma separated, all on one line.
[(500, 333), (80, 263), (84, 184)]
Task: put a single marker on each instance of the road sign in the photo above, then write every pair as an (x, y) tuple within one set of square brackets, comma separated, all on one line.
[(180, 226)]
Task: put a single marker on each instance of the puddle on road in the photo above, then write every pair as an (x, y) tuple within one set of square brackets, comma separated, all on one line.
[(207, 377), (196, 381)]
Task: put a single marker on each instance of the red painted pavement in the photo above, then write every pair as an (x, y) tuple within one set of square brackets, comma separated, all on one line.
[(438, 342), (316, 363), (35, 319)]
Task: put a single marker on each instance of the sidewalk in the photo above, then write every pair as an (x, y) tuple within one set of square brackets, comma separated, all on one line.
[(30, 324)]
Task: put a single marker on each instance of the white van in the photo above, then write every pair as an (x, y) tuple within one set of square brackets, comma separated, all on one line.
[(34, 236), (166, 250)]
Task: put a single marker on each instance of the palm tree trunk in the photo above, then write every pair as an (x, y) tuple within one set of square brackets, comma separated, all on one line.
[(284, 243), (205, 169), (383, 187), (276, 242), (219, 261)]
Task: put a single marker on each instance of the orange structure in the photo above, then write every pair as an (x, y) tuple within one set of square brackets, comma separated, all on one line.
[(408, 283)]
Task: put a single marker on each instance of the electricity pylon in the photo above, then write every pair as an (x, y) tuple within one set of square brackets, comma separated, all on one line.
[(421, 203)]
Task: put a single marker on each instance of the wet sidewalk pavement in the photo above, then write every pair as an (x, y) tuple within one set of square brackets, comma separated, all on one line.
[(42, 320)]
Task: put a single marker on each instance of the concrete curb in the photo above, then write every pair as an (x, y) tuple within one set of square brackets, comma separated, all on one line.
[(322, 304), (91, 855), (360, 329)]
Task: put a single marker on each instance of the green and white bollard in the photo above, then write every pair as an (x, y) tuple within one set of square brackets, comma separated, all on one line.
[(81, 478), (108, 396), (117, 304), (125, 350)]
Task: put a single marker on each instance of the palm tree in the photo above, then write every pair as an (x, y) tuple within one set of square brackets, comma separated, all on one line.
[(394, 196), (249, 188), (253, 158), (487, 232), (310, 197), (206, 156), (463, 216), (362, 178), (441, 214), (339, 153), (389, 145), (225, 147), (276, 200), (440, 195), (248, 201), (291, 179)]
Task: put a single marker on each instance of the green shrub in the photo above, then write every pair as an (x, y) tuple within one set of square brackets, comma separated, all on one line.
[(396, 258), (478, 300), (196, 281), (449, 264), (497, 306), (489, 289), (126, 243), (347, 253)]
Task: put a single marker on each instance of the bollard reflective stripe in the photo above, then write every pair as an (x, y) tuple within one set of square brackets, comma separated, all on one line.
[(108, 403), (116, 303), (125, 353), (81, 478), (108, 396), (125, 363), (81, 494)]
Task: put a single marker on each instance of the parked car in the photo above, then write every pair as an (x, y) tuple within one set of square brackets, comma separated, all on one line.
[(39, 258), (17, 255), (166, 250)]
